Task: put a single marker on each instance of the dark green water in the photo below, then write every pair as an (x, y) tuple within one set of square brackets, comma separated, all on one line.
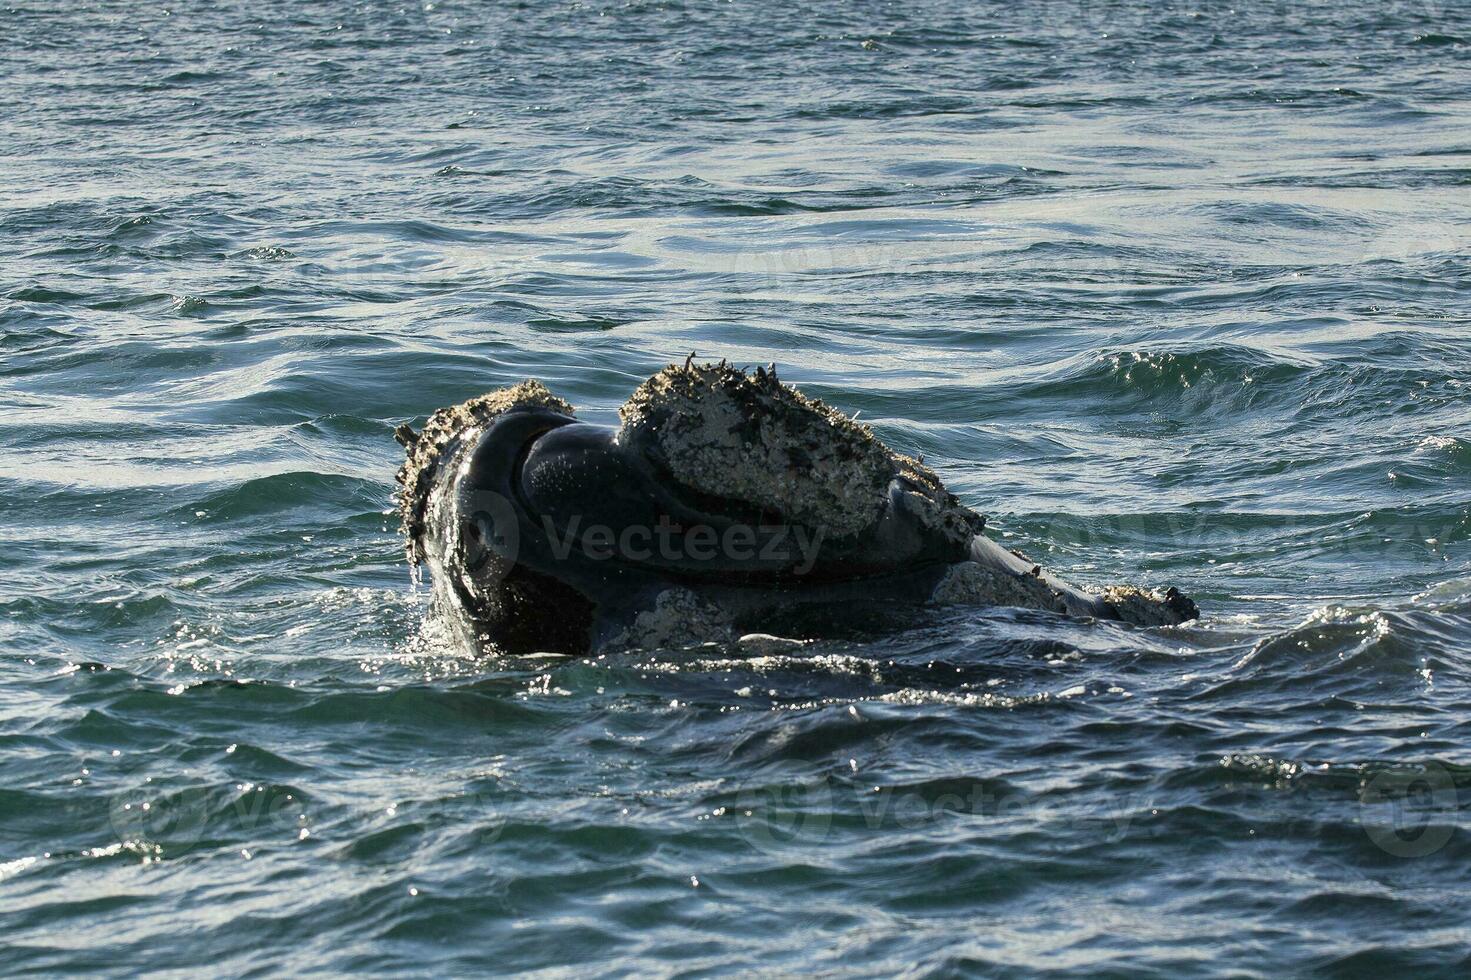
[(1176, 293)]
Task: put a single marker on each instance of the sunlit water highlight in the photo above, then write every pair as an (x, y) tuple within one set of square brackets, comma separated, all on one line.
[(1172, 292)]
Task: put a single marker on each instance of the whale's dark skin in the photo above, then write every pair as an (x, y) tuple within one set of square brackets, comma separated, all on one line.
[(546, 533)]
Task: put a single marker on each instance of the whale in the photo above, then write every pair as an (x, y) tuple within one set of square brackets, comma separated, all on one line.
[(725, 500)]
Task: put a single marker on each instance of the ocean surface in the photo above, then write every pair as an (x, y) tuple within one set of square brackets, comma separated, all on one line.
[(1177, 293)]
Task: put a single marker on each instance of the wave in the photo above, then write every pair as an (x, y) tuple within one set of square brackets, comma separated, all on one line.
[(281, 492), (1215, 379), (1231, 383)]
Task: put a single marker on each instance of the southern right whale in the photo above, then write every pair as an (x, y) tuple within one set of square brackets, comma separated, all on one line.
[(723, 499)]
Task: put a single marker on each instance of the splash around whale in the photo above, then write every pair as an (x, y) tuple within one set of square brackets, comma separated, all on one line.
[(725, 501)]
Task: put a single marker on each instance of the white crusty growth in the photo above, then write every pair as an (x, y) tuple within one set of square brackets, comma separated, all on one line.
[(748, 437), (423, 449)]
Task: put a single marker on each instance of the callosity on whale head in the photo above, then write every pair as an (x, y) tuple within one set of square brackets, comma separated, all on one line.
[(722, 498)]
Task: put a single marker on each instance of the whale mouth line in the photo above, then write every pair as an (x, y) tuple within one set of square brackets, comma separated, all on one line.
[(701, 538)]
